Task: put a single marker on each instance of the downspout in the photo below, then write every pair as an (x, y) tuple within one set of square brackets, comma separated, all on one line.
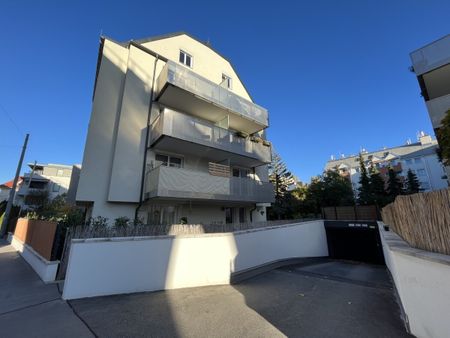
[(147, 136), (251, 213)]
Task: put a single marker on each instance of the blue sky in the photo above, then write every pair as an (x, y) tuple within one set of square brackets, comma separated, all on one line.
[(334, 75)]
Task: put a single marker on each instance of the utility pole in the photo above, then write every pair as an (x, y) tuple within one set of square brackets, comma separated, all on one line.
[(12, 193)]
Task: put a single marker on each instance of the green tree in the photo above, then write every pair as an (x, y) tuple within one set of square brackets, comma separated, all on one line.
[(329, 189), (395, 186), (412, 185), (443, 137), (364, 193), (378, 194), (282, 180)]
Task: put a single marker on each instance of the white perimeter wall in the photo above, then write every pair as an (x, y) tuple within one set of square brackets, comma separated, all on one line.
[(125, 265), (422, 280)]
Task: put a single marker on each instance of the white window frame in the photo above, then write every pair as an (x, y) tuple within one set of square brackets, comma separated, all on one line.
[(59, 172), (183, 60), (169, 160), (229, 80)]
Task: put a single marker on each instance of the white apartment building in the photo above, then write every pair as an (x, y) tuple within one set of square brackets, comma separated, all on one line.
[(49, 179), (431, 64), (420, 157), (174, 136)]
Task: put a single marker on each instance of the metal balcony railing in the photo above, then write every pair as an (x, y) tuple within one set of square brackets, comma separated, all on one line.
[(191, 129), (181, 77), (171, 182)]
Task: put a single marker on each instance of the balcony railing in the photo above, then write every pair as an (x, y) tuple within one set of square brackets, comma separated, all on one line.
[(437, 108), (431, 56), (181, 77), (191, 129), (168, 182)]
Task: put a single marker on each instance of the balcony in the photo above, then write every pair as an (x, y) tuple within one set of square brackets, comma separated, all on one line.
[(168, 182), (431, 56), (172, 131), (182, 89), (437, 108)]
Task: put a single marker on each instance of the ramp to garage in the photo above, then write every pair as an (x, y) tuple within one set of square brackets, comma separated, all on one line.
[(354, 240)]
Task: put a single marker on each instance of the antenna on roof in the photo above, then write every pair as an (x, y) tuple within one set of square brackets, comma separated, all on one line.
[(208, 43), (101, 31)]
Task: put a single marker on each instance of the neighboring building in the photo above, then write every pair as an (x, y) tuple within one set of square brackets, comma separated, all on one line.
[(420, 157), (431, 64), (206, 154), (6, 187), (49, 180)]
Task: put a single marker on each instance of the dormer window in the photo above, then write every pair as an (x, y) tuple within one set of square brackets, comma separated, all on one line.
[(185, 58), (226, 81)]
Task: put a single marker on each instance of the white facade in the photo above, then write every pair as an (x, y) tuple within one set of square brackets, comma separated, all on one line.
[(420, 157), (46, 179), (206, 156)]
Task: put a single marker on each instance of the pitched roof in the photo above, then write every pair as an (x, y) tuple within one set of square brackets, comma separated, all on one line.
[(171, 35), (9, 184)]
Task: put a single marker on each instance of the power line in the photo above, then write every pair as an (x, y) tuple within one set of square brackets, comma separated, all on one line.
[(11, 119)]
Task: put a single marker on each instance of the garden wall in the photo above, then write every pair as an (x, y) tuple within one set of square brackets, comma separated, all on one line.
[(124, 265)]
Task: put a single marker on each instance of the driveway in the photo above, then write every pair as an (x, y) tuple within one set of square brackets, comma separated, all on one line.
[(319, 298)]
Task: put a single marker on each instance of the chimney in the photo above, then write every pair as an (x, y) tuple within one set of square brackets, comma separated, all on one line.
[(424, 138)]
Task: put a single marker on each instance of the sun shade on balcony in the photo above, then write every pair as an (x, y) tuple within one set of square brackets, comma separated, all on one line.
[(183, 89)]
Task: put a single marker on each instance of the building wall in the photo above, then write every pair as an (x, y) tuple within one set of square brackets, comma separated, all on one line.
[(114, 150), (99, 149)]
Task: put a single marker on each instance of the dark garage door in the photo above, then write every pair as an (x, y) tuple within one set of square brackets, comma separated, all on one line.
[(357, 241)]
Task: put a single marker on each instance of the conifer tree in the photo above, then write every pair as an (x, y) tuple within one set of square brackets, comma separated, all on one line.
[(377, 187), (395, 186), (364, 193), (412, 183)]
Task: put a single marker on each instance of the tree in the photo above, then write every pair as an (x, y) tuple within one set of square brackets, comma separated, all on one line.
[(378, 195), (282, 181), (443, 137), (364, 193), (412, 183), (329, 189), (395, 186), (280, 176)]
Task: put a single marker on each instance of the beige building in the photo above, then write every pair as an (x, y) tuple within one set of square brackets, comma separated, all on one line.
[(174, 136)]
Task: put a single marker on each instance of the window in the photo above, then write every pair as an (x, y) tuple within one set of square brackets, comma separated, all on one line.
[(418, 160), (408, 161), (55, 187), (421, 172), (163, 159), (228, 215), (241, 215), (185, 59), (59, 172), (168, 161), (226, 81)]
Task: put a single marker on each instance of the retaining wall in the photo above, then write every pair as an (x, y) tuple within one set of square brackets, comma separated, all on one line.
[(124, 265), (422, 279)]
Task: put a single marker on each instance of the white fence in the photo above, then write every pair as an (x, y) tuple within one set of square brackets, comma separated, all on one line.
[(422, 280), (125, 265)]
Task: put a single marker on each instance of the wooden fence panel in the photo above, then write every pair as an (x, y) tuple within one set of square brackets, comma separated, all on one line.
[(422, 220)]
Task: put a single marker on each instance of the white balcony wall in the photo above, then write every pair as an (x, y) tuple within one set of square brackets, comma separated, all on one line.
[(184, 183), (437, 109), (431, 56)]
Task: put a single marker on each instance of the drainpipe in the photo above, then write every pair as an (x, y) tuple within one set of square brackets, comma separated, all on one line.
[(251, 213), (147, 136)]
